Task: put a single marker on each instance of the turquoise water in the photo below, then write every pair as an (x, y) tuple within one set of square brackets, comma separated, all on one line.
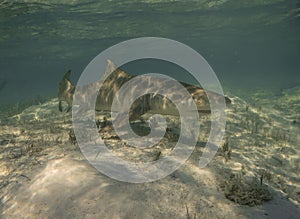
[(251, 44)]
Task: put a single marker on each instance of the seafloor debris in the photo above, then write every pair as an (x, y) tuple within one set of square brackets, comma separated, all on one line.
[(246, 191), (72, 137), (226, 150)]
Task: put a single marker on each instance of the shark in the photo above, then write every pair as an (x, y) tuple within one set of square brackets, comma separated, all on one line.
[(151, 103)]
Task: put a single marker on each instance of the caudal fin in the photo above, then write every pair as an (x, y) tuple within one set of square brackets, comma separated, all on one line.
[(65, 91)]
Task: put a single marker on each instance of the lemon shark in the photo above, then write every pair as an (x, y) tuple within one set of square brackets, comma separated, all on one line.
[(149, 103)]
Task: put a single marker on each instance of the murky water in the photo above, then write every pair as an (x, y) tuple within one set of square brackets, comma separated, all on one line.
[(251, 44)]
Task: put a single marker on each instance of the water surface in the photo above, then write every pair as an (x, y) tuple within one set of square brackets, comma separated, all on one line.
[(251, 44)]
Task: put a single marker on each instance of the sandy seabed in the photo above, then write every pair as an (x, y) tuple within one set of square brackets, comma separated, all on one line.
[(255, 173)]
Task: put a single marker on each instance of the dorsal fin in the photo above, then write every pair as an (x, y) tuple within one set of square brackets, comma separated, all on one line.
[(67, 75), (110, 67)]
